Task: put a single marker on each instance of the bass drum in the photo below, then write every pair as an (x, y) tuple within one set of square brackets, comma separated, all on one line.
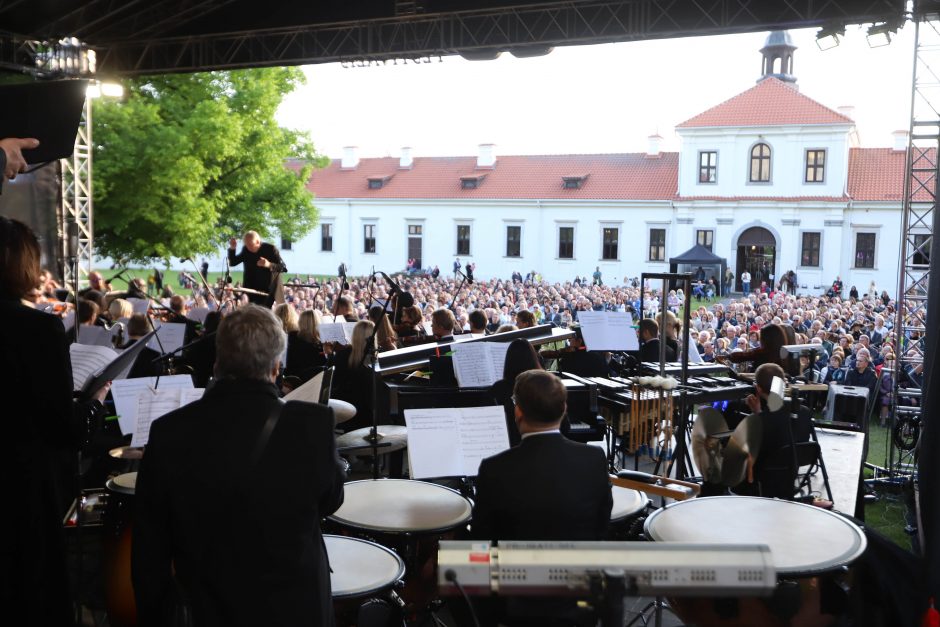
[(810, 548), (119, 524)]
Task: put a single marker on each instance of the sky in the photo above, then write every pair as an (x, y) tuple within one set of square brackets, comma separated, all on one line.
[(586, 99)]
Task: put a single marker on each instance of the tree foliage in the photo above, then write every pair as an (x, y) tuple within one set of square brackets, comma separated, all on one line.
[(187, 161)]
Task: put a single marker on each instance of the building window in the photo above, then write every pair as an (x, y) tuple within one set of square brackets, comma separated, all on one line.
[(760, 164), (463, 239), (920, 256), (513, 241), (286, 244), (657, 245), (326, 238), (573, 182), (611, 237), (375, 183), (864, 250), (707, 166), (815, 166), (810, 255), (706, 238), (566, 242), (414, 229), (368, 238)]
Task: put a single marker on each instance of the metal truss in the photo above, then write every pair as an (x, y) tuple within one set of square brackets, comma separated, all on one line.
[(412, 34), (76, 204), (918, 213)]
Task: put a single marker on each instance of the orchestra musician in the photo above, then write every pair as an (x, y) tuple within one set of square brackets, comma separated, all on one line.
[(231, 492), (772, 339), (576, 359), (352, 379), (411, 325), (648, 332), (304, 351), (42, 435), (263, 268), (442, 325), (343, 308), (520, 357), (385, 336)]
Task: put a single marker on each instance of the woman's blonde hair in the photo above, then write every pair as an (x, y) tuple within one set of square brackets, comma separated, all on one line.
[(120, 308), (288, 317), (308, 325), (360, 336)]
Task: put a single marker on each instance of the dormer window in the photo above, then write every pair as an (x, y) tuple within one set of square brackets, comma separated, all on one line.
[(471, 182), (378, 182), (573, 182)]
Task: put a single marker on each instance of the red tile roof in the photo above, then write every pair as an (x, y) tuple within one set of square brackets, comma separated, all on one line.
[(612, 176), (769, 103), (875, 174)]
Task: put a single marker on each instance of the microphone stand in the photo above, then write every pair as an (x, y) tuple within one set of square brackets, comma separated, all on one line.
[(457, 291), (372, 349), (205, 283)]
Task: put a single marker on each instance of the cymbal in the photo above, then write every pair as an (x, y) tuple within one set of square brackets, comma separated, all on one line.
[(248, 290), (127, 452), (395, 435), (723, 464), (342, 410)]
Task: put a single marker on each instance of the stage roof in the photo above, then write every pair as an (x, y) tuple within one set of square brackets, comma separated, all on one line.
[(159, 36)]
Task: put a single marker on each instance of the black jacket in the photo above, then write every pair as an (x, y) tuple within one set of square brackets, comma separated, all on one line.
[(244, 542), (547, 488), (263, 279), (649, 351), (584, 363), (304, 359)]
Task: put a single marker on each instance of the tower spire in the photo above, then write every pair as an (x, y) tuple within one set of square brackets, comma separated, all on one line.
[(778, 57)]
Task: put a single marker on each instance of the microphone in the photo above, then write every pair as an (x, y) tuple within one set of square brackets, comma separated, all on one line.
[(72, 233), (391, 282)]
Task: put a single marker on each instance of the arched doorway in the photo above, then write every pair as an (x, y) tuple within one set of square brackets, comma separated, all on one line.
[(757, 253)]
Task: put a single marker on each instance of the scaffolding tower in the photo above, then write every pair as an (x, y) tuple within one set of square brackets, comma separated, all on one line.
[(76, 204)]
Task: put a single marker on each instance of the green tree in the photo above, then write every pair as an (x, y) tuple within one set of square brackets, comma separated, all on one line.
[(187, 161)]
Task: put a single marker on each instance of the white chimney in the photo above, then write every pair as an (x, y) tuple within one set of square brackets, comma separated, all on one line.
[(653, 149), (900, 140), (848, 111), (486, 157), (405, 161), (350, 157)]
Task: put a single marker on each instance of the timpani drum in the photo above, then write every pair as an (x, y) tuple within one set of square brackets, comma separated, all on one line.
[(408, 516), (362, 573), (810, 548), (119, 523), (628, 505)]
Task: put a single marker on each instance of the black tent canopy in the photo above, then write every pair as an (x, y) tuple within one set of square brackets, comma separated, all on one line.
[(700, 257)]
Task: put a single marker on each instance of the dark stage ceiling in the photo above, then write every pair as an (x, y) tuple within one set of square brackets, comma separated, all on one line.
[(155, 36)]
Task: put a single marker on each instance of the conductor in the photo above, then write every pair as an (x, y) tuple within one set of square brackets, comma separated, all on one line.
[(263, 268)]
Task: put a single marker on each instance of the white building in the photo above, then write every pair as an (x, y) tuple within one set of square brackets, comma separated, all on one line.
[(770, 179)]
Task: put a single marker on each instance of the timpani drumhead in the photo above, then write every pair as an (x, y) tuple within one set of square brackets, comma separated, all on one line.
[(125, 484), (803, 539), (627, 502), (360, 568), (402, 505)]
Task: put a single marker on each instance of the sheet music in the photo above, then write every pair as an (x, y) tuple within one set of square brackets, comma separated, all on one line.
[(191, 395), (94, 336), (126, 391), (309, 392), (198, 314), (473, 365), (451, 442), (87, 359), (333, 332), (140, 305), (497, 357), (608, 331), (172, 336), (694, 357), (151, 404)]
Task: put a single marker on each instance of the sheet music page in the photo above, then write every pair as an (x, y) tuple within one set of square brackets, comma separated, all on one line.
[(172, 335), (497, 352), (125, 392), (620, 325), (94, 336), (87, 360), (348, 329), (483, 433), (198, 314), (694, 357), (473, 365), (309, 392), (151, 404), (608, 331), (433, 444), (333, 332), (140, 305), (190, 395)]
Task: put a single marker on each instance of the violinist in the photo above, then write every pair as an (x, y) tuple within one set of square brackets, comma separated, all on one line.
[(576, 359), (772, 339), (304, 351), (411, 328), (385, 335)]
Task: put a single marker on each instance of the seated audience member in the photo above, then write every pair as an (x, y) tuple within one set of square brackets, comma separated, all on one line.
[(276, 461), (862, 375), (442, 325), (304, 351), (548, 487), (525, 319), (477, 320), (649, 342)]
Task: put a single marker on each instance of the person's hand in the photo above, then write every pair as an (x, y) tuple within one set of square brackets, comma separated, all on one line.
[(753, 403), (101, 394), (264, 263), (13, 147), (232, 243)]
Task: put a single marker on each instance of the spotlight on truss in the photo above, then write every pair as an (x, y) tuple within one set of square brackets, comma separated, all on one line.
[(828, 37)]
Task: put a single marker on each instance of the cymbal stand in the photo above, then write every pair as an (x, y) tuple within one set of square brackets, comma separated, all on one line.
[(372, 351)]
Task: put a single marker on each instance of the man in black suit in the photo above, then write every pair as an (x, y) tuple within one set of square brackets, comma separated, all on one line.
[(231, 493), (649, 342), (442, 325), (263, 268), (548, 487)]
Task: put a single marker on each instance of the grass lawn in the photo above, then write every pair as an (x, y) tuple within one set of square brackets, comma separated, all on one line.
[(887, 514)]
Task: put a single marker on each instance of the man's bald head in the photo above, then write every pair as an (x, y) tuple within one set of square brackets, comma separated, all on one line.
[(252, 241)]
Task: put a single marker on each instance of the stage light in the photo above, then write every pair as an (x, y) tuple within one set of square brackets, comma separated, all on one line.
[(112, 90), (828, 37), (880, 34)]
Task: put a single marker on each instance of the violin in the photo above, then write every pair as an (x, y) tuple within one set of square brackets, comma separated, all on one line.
[(559, 353)]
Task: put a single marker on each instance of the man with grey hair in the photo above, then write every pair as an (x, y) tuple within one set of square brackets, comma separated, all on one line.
[(263, 268), (231, 493)]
